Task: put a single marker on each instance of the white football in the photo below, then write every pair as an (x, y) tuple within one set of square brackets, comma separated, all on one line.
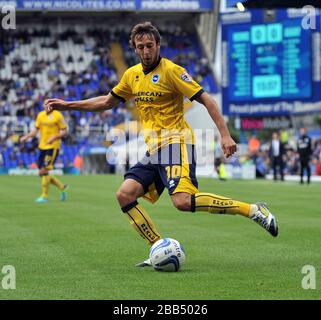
[(167, 255)]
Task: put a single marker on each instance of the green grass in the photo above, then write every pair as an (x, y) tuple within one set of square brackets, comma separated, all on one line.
[(86, 249)]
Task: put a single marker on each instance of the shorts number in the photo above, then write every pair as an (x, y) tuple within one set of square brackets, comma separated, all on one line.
[(173, 171)]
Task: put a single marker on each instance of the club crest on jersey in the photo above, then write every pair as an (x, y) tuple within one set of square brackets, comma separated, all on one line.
[(155, 78), (186, 77)]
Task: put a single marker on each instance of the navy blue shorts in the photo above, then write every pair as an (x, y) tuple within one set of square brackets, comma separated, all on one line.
[(173, 167), (47, 158)]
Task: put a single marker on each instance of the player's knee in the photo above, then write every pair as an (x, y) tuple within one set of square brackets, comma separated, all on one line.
[(124, 196), (182, 203)]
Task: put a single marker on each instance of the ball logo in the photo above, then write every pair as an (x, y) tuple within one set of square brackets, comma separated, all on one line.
[(186, 77), (167, 255), (155, 78)]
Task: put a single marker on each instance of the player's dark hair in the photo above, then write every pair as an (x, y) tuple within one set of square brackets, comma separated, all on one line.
[(141, 29)]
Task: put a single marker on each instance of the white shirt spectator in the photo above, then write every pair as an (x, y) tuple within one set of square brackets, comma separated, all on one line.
[(276, 148)]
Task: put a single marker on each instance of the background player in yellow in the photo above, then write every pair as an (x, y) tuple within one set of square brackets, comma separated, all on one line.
[(51, 128), (158, 87)]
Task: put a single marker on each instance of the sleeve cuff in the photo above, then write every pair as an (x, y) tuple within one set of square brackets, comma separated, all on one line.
[(197, 94), (117, 96)]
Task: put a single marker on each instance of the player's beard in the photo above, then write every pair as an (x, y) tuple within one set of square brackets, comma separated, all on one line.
[(152, 62), (147, 63)]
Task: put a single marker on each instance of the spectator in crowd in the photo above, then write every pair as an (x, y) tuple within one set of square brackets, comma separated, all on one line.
[(261, 165), (78, 163), (33, 166), (304, 148), (276, 153), (291, 162), (254, 145)]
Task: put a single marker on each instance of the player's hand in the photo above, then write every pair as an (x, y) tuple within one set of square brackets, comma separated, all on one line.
[(51, 140), (23, 139), (55, 104), (228, 146)]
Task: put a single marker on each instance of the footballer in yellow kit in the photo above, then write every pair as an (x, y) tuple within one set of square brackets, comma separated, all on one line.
[(165, 128), (52, 128), (158, 87)]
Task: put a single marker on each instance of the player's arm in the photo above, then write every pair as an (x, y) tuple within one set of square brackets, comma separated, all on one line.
[(29, 135), (62, 133), (227, 143), (100, 103)]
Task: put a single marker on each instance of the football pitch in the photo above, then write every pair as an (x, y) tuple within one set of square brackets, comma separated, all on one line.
[(85, 247)]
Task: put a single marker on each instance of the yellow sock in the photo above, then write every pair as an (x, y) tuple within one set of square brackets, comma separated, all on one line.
[(213, 203), (56, 182), (141, 222), (45, 180)]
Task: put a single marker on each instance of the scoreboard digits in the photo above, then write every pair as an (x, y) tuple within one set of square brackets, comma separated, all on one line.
[(269, 61)]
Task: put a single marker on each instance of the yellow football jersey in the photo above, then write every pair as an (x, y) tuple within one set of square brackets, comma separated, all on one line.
[(159, 97), (49, 126)]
